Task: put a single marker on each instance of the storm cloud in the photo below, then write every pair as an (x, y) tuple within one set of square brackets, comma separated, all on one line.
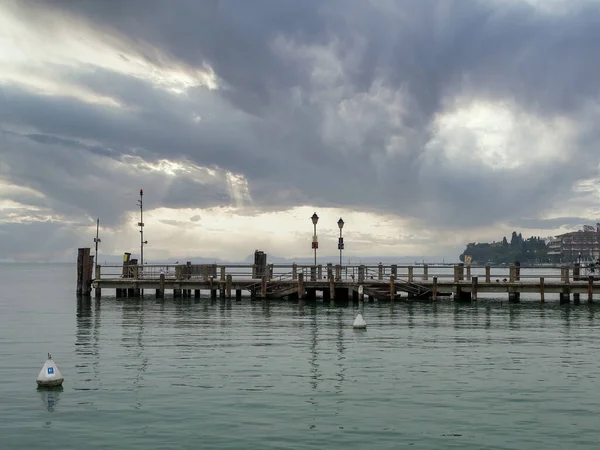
[(450, 115)]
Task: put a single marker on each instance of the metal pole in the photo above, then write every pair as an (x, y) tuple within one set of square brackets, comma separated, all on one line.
[(315, 233), (141, 225), (96, 240), (340, 250)]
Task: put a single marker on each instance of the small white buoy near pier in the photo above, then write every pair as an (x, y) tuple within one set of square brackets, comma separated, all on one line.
[(50, 376), (359, 322)]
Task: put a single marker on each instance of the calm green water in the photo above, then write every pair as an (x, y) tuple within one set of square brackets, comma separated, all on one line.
[(199, 374)]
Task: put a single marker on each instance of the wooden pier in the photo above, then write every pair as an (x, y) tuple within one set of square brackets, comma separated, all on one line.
[(340, 283)]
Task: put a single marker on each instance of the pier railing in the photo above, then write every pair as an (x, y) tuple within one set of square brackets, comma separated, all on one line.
[(350, 273)]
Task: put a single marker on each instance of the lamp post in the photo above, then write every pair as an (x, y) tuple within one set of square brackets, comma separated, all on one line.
[(341, 240), (141, 225), (315, 242)]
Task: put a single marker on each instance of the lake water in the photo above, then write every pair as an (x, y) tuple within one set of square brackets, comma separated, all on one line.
[(188, 374)]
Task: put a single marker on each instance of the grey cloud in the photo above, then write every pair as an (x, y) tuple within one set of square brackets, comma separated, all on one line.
[(298, 139)]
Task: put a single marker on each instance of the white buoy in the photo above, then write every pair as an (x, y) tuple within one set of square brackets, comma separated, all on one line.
[(49, 376), (359, 322)]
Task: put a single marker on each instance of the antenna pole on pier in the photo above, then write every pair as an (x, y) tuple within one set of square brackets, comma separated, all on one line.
[(97, 240), (141, 225)]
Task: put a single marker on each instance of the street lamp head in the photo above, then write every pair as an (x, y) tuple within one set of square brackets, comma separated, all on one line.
[(341, 223), (315, 218)]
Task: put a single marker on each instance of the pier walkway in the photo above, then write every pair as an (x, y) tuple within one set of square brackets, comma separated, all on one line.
[(335, 282)]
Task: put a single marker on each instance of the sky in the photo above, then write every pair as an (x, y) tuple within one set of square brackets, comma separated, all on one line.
[(424, 124)]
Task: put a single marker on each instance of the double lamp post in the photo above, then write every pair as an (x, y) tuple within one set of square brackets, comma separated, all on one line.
[(315, 241)]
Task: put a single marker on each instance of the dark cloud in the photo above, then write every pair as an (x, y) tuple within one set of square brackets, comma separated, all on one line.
[(325, 103)]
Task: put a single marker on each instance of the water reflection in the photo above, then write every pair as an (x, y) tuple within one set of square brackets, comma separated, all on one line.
[(314, 329), (133, 341), (50, 397), (340, 351), (87, 338)]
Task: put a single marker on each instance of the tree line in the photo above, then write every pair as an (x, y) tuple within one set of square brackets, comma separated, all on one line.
[(530, 250)]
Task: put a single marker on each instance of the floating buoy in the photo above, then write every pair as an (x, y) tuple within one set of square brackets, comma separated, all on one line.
[(50, 376), (359, 322)]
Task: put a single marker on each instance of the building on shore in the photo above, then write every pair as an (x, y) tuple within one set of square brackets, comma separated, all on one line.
[(576, 246)]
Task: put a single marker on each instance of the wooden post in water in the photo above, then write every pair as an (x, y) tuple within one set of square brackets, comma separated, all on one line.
[(263, 287), (392, 288), (238, 295), (380, 272), (474, 288), (425, 272), (395, 270), (98, 291), (590, 289), (361, 274), (228, 286), (511, 273), (222, 273), (300, 286), (468, 272), (487, 273), (332, 289), (410, 274), (542, 300), (434, 288), (84, 272), (294, 271)]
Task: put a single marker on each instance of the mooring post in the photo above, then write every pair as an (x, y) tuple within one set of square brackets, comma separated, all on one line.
[(425, 272), (222, 273), (380, 272), (395, 270), (228, 286), (410, 274), (361, 274), (331, 288), (313, 273), (300, 286), (576, 272), (263, 287), (392, 288), (590, 288), (338, 272), (294, 271), (488, 273), (468, 272), (474, 288), (542, 290), (456, 273), (329, 270), (97, 290), (461, 271), (434, 288), (320, 271)]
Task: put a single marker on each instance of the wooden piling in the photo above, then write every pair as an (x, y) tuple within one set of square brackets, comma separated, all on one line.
[(410, 274), (300, 286), (394, 270), (338, 272), (590, 289), (238, 295), (361, 274), (487, 273), (425, 272), (542, 300), (392, 288), (228, 286), (474, 288), (320, 272), (380, 272), (196, 293), (511, 273), (361, 293), (84, 272), (332, 289), (263, 287), (97, 290), (294, 271), (434, 288), (161, 286), (468, 272)]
